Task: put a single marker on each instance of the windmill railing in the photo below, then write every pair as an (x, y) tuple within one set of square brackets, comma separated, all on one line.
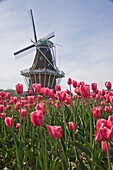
[(57, 72)]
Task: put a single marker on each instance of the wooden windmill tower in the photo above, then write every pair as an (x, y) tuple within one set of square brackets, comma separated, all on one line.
[(43, 69)]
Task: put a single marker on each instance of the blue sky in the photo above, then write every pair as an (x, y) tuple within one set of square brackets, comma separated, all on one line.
[(83, 27)]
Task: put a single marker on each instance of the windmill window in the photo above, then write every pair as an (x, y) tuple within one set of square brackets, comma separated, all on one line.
[(41, 57)]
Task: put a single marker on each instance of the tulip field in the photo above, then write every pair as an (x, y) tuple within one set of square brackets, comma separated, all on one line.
[(57, 129)]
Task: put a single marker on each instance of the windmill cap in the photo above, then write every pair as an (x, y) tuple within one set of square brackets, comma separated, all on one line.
[(44, 42)]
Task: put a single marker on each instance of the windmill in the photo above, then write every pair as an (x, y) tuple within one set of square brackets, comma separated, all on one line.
[(43, 69)]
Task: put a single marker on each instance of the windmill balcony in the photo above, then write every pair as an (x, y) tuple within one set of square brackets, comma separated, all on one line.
[(57, 73)]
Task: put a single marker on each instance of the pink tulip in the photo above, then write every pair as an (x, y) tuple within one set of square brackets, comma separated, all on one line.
[(101, 123), (107, 109), (97, 112), (58, 88), (108, 85), (104, 147), (54, 131), (19, 88), (41, 106), (67, 101), (105, 128), (37, 118), (110, 118), (69, 81), (103, 92), (9, 121), (61, 96), (98, 137), (107, 133), (2, 94), (7, 95), (74, 83), (23, 113), (18, 105), (30, 92), (39, 97), (18, 126), (2, 116), (1, 108), (36, 87), (72, 126), (31, 99), (85, 90), (57, 104), (94, 86)]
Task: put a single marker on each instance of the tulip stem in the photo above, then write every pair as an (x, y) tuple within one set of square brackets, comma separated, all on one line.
[(59, 148), (108, 156), (91, 136), (17, 153)]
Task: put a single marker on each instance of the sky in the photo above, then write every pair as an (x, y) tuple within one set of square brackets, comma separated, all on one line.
[(84, 28)]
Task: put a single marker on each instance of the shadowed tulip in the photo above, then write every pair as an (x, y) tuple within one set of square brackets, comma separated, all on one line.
[(2, 116), (1, 108), (71, 126), (104, 147)]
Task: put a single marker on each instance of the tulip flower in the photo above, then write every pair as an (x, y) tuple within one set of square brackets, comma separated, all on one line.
[(45, 91), (96, 112), (72, 126), (58, 88), (69, 81), (98, 137), (1, 108), (108, 85), (105, 128), (104, 147), (36, 87), (57, 104), (37, 118), (54, 131), (31, 99), (30, 92), (67, 101), (2, 116), (94, 86), (18, 105), (9, 121), (18, 126), (107, 109), (19, 88), (41, 106), (7, 95), (23, 113), (85, 90), (74, 83)]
